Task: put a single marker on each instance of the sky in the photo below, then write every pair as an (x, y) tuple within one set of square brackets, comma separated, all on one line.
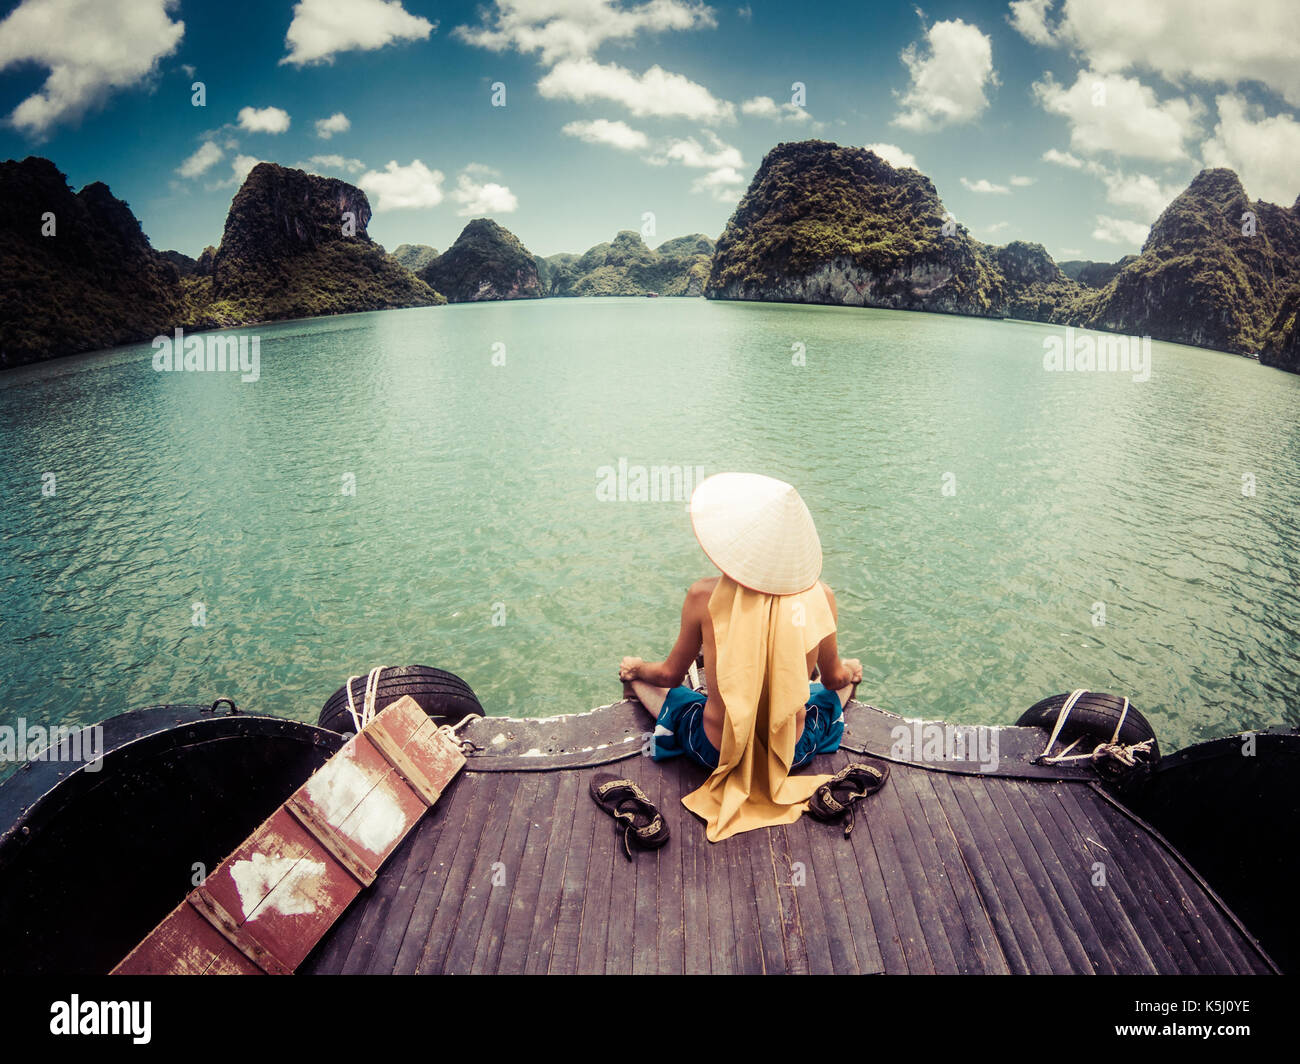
[(1071, 123)]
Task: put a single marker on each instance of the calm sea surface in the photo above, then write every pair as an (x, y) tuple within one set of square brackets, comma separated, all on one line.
[(476, 502)]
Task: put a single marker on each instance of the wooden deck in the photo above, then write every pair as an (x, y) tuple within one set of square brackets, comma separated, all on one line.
[(948, 870)]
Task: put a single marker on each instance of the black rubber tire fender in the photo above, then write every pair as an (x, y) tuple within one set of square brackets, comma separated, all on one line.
[(1093, 717), (443, 695)]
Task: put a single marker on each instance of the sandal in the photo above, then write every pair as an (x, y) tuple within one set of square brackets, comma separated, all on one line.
[(631, 806), (851, 784)]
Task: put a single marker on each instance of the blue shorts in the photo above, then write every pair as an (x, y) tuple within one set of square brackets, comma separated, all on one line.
[(680, 728)]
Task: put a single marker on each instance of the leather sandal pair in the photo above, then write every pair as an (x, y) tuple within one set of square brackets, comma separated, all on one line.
[(838, 795), (635, 815)]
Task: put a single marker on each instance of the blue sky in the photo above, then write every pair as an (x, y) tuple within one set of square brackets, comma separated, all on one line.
[(1068, 122)]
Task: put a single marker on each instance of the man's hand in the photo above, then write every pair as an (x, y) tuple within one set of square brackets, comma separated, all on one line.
[(629, 669), (853, 667)]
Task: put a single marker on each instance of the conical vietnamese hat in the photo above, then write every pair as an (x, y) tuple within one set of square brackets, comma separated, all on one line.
[(758, 531)]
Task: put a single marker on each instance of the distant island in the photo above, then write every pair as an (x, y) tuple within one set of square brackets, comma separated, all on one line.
[(820, 223)]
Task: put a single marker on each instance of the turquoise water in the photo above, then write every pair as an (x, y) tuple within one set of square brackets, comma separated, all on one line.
[(476, 501)]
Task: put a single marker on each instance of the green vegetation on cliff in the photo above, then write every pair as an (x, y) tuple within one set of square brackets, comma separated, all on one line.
[(486, 262), (295, 246), (415, 257), (76, 271), (627, 267)]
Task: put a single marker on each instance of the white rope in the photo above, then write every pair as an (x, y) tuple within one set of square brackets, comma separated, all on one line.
[(367, 712), (1113, 749)]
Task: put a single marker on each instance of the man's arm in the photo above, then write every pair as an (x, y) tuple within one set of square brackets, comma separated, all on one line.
[(835, 673), (672, 670)]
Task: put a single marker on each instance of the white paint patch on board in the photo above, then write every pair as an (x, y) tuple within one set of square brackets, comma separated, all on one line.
[(286, 885), (350, 801)]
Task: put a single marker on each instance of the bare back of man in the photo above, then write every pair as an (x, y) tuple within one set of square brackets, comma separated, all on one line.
[(651, 681)]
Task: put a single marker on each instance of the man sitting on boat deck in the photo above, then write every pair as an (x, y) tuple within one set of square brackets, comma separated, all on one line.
[(763, 626)]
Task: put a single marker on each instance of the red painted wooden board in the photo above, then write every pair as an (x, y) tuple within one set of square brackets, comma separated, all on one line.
[(266, 906)]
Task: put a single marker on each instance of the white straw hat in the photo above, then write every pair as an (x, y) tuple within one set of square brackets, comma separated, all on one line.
[(758, 531)]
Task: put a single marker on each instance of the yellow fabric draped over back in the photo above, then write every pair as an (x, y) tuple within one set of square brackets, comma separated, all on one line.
[(762, 674)]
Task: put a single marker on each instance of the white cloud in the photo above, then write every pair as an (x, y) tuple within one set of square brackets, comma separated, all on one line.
[(241, 165), (90, 50), (723, 184), (207, 156), (575, 29), (722, 160), (1022, 182), (1210, 40), (603, 131), (984, 185), (894, 155), (1141, 193), (766, 107), (263, 119), (1120, 231), (398, 187), (336, 123), (657, 92), (947, 83), (322, 28), (690, 152), (1265, 152), (1109, 112), (996, 227), (477, 199), (1029, 17), (337, 162), (1062, 158)]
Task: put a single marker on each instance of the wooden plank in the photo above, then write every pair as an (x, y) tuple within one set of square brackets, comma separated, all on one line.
[(1084, 811), (606, 848), (986, 884), (723, 955), (517, 878), (587, 821), (1148, 876), (464, 812), (767, 904), (374, 918), (873, 842), (488, 877), (423, 843), (1126, 950), (650, 864), (301, 869), (510, 953), (843, 906), (674, 889), (803, 949), (950, 940), (230, 928), (546, 919), (876, 936), (1049, 881), (1008, 876), (403, 764), (1233, 951), (494, 802), (980, 951), (1033, 803), (697, 905), (339, 847), (744, 903), (627, 880)]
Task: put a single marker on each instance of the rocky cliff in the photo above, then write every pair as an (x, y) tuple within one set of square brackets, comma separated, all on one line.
[(825, 224), (295, 245), (77, 272), (415, 257), (1213, 271), (627, 267), (822, 223), (486, 262)]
